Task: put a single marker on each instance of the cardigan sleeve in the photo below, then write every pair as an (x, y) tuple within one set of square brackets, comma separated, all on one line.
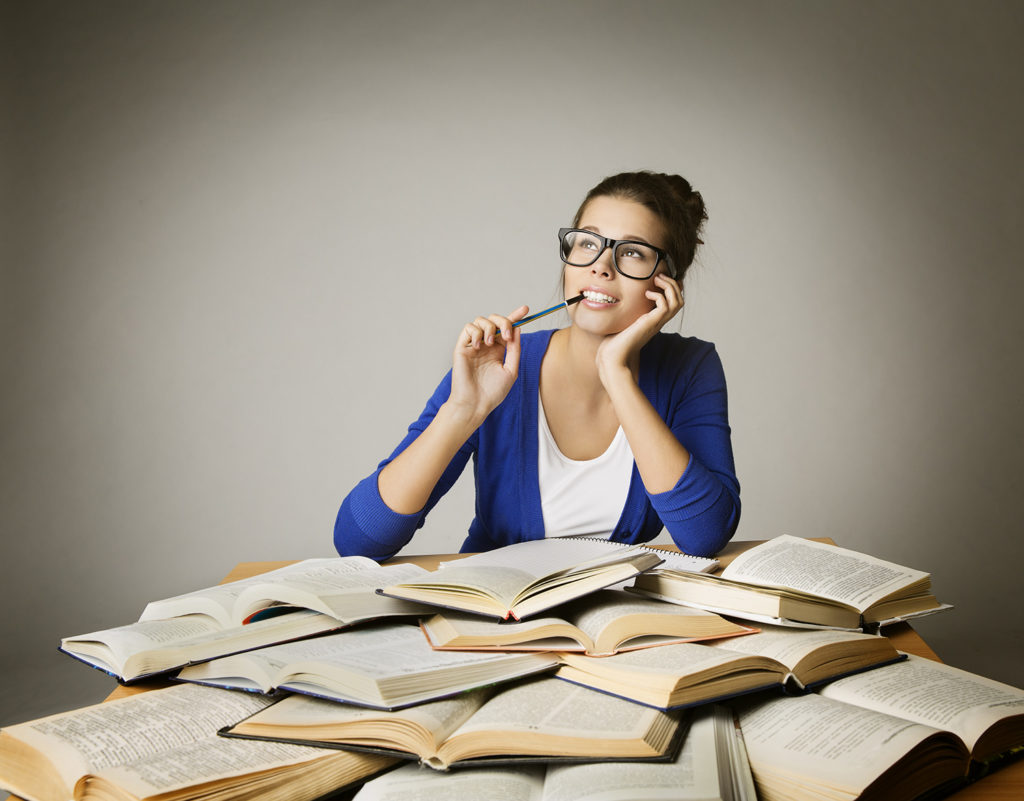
[(701, 512), (366, 525)]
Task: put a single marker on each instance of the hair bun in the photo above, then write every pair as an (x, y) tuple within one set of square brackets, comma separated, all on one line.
[(690, 202)]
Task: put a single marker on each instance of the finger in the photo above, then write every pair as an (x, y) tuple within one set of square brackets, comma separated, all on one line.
[(672, 288), (488, 327), (672, 294), (519, 314), (504, 324), (471, 336), (512, 351), (659, 300)]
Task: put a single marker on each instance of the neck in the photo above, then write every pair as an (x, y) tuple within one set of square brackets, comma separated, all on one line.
[(578, 359)]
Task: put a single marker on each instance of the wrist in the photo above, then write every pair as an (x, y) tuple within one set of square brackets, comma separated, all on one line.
[(615, 374), (459, 418)]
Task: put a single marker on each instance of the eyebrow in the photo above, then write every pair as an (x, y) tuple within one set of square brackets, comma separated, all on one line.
[(627, 238)]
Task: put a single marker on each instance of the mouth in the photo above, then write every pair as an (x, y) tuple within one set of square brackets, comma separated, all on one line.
[(594, 296)]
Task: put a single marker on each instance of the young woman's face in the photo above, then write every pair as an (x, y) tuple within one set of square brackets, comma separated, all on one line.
[(611, 300)]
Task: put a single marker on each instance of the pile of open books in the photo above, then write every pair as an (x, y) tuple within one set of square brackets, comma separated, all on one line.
[(559, 669)]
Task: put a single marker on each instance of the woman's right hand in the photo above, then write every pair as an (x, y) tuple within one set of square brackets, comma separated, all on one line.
[(485, 364)]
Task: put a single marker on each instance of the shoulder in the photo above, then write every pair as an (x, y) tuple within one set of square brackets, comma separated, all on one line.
[(536, 340), (674, 349), (673, 363)]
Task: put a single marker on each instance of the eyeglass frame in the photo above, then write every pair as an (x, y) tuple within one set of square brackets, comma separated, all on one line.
[(613, 244)]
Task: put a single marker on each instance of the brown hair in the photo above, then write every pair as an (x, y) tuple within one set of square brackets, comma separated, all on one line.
[(679, 206)]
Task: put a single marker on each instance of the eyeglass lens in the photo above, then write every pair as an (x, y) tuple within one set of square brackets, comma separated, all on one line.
[(633, 259)]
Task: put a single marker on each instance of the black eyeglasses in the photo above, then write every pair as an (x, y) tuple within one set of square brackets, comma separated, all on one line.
[(637, 260)]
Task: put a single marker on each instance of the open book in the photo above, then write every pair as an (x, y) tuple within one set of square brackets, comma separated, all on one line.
[(540, 719), (987, 715), (605, 622), (815, 656), (526, 578), (341, 587), (892, 733), (143, 746), (241, 615), (694, 673), (712, 766), (789, 580), (148, 647), (384, 666)]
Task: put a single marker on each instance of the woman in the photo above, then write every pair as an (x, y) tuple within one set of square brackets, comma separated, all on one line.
[(606, 428)]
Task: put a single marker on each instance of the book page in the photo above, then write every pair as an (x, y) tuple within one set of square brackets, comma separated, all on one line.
[(219, 601), (677, 659), (836, 573), (933, 694), (360, 661), (823, 742), (159, 645), (144, 635), (305, 717), (499, 582), (382, 652), (601, 608), (538, 558), (215, 758), (560, 709), (787, 645), (412, 783), (693, 775), (343, 589), (466, 624), (101, 736), (357, 649)]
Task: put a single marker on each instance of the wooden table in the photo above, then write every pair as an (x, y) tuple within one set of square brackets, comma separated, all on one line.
[(1006, 784)]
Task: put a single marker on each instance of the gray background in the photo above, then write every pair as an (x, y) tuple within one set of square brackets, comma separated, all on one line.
[(240, 238)]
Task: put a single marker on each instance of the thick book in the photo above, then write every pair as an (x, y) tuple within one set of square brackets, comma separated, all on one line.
[(540, 719), (913, 728), (526, 578), (712, 765), (987, 715), (164, 745), (686, 674), (793, 581), (242, 615), (383, 666), (603, 623)]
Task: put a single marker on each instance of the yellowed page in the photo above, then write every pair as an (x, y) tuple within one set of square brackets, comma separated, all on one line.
[(932, 693), (820, 745)]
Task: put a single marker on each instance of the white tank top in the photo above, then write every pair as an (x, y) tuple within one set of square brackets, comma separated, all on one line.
[(581, 497)]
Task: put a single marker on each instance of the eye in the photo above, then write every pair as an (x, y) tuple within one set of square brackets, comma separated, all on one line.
[(637, 252)]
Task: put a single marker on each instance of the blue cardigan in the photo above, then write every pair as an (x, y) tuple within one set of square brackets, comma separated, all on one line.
[(681, 377)]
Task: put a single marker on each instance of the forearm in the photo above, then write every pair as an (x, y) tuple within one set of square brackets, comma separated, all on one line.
[(406, 483), (701, 512), (660, 458)]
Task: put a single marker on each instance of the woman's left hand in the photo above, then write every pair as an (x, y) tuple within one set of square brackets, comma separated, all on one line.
[(621, 351)]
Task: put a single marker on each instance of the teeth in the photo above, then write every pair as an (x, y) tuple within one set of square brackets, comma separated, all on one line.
[(597, 297)]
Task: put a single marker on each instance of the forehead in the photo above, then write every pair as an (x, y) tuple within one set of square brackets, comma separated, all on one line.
[(618, 218)]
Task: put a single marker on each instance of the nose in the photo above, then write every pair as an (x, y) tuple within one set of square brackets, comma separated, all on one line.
[(604, 265)]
